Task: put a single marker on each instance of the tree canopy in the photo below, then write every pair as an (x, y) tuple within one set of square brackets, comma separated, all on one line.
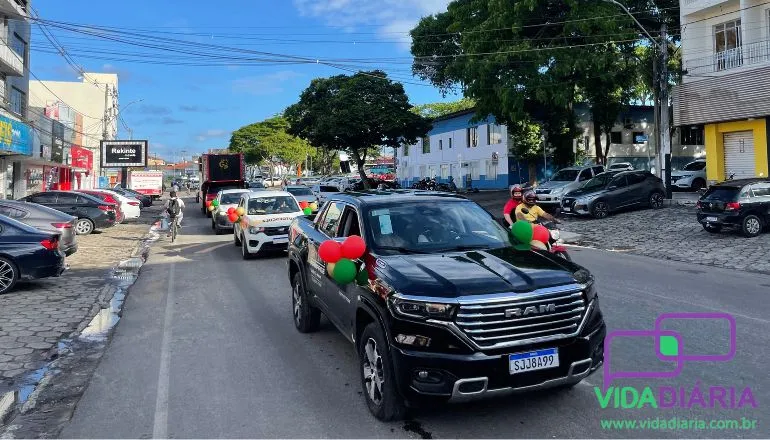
[(438, 109), (270, 139), (356, 114)]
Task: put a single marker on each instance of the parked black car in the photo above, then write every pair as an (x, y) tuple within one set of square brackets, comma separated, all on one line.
[(743, 204), (611, 191), (91, 212), (145, 199), (27, 253)]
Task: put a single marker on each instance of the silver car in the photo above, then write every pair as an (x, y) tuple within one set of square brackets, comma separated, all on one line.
[(44, 218), (302, 193), (692, 176), (550, 192)]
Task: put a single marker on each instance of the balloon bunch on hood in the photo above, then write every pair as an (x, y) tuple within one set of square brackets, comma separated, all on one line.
[(306, 207), (211, 205), (338, 258), (527, 236)]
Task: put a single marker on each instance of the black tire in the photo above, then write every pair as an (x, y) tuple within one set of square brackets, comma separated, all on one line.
[(236, 238), (600, 209), (84, 226), (307, 319), (751, 226), (714, 229), (9, 275), (656, 200), (698, 184), (383, 400), (245, 250)]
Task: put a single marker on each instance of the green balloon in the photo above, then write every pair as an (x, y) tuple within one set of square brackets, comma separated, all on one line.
[(522, 231), (344, 271), (215, 203), (307, 211), (363, 276)]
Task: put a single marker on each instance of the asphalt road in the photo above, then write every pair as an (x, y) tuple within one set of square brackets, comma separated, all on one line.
[(206, 348)]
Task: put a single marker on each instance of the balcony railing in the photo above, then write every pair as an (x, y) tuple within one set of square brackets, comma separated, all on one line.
[(10, 62), (746, 55)]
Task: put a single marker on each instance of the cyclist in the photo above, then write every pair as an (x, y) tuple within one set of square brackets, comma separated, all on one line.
[(529, 211), (175, 210), (510, 206)]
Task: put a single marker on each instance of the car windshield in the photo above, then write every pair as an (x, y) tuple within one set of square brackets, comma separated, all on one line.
[(272, 205), (694, 166), (300, 191), (230, 198), (618, 165), (256, 185), (722, 193), (599, 181), (565, 175), (426, 227)]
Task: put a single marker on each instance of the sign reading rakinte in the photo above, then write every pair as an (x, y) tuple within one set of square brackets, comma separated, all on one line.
[(118, 154)]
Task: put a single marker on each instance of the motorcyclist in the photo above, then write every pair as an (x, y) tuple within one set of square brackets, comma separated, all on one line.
[(510, 206), (530, 212)]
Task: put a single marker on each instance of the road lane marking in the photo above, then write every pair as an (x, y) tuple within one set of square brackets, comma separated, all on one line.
[(160, 425), (714, 309)]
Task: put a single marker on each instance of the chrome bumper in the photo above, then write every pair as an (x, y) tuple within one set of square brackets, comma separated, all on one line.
[(484, 392)]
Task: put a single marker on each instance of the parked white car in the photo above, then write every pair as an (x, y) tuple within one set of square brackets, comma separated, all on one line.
[(691, 176), (266, 224), (620, 166), (226, 199), (131, 207)]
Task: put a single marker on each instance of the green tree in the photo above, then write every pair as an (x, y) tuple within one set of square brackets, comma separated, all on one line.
[(438, 109), (356, 114), (268, 139)]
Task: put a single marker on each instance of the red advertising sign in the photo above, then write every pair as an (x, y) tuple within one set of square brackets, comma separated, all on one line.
[(82, 157)]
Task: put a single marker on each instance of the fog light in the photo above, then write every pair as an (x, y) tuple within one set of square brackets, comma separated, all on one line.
[(416, 340), (422, 374)]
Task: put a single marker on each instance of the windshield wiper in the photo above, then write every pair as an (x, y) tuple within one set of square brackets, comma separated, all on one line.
[(401, 249)]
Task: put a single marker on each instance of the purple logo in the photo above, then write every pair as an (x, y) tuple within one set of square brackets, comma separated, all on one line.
[(669, 347)]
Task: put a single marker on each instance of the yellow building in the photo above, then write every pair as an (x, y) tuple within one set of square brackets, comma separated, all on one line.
[(725, 87)]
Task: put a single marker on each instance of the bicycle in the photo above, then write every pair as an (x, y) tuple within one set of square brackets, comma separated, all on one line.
[(174, 226)]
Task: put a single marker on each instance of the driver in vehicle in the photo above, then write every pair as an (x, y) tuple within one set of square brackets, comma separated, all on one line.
[(530, 212)]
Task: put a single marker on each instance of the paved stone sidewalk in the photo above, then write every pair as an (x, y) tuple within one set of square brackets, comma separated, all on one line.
[(36, 315)]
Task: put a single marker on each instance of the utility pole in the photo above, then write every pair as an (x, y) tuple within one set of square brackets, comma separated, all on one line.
[(665, 129), (656, 113)]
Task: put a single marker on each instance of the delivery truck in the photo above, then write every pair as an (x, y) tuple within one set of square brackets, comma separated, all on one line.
[(149, 183), (217, 172)]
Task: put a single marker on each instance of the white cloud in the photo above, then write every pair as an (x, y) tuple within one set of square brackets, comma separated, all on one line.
[(393, 18), (211, 134), (267, 84)]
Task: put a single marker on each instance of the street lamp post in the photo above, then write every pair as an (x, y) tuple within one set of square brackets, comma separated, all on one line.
[(660, 104)]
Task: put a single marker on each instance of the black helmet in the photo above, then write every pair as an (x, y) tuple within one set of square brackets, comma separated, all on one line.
[(172, 194), (529, 197)]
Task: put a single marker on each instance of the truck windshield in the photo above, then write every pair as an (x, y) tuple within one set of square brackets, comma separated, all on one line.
[(424, 227), (565, 176), (272, 205)]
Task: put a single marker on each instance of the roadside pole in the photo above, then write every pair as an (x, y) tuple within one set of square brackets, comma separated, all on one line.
[(665, 129)]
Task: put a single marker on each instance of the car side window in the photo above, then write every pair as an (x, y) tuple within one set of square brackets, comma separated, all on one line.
[(598, 170), (760, 190), (66, 198), (619, 182), (10, 211), (349, 223), (585, 175), (634, 179), (331, 220), (44, 198)]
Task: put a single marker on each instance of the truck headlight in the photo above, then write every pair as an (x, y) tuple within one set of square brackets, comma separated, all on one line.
[(222, 213), (421, 309), (255, 230)]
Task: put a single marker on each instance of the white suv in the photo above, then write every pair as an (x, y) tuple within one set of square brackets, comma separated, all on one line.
[(691, 176), (265, 225)]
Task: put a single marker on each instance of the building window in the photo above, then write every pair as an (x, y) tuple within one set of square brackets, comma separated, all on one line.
[(475, 170), (491, 170), (17, 99), (406, 150), (444, 170), (426, 145), (19, 46), (432, 171), (450, 143), (440, 144), (727, 36), (691, 135), (494, 134), (616, 137), (473, 136)]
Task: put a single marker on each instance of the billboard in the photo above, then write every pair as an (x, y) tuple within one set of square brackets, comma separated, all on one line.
[(119, 154)]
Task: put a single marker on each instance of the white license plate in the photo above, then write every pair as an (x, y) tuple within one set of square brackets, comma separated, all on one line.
[(711, 219), (533, 360), (566, 209), (280, 240)]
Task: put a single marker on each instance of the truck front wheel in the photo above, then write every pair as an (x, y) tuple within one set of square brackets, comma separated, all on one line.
[(307, 318), (377, 378)]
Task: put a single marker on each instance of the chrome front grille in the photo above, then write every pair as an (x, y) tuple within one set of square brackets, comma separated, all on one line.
[(522, 319), (542, 191)]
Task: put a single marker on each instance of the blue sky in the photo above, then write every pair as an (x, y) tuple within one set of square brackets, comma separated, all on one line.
[(194, 108)]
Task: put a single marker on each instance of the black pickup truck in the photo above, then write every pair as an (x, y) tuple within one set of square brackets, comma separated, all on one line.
[(450, 310)]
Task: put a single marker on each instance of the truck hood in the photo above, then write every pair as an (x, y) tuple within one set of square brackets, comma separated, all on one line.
[(551, 184), (454, 274)]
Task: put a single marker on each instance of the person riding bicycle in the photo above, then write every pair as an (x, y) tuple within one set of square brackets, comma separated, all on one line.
[(530, 212), (174, 209), (509, 210)]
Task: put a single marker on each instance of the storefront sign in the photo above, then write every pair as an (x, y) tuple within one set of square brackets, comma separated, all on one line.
[(82, 158), (117, 154), (57, 136), (15, 137)]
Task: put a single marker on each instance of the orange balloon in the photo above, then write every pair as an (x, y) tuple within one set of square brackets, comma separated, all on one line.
[(330, 269)]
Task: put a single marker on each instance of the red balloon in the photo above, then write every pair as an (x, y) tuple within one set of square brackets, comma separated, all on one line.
[(208, 203), (303, 204), (541, 234), (230, 210), (232, 217), (330, 251), (353, 247)]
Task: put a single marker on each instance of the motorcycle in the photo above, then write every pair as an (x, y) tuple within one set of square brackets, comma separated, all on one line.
[(555, 244)]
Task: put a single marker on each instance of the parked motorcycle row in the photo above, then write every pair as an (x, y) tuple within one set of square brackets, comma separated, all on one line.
[(38, 231)]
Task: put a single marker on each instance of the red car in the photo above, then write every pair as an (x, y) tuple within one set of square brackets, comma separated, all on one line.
[(107, 198)]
